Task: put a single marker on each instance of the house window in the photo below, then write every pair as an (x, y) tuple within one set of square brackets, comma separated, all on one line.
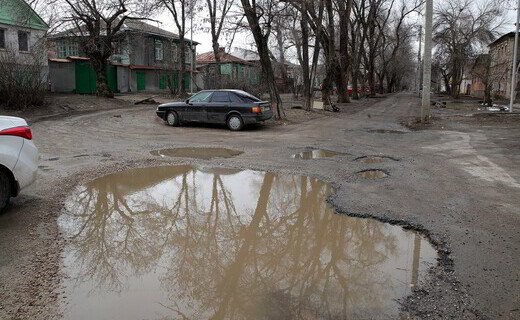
[(67, 49), (23, 41), (158, 50), (2, 38)]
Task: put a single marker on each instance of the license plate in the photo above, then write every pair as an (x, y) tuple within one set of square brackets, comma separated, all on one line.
[(265, 109)]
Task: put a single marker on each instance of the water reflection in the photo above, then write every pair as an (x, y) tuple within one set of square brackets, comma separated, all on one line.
[(316, 154), (196, 153), (178, 242)]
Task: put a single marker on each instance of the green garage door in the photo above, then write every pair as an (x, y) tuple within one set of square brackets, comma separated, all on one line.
[(85, 78), (141, 81)]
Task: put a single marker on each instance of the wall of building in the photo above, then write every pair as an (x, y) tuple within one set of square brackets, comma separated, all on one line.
[(123, 79), (37, 54), (500, 74)]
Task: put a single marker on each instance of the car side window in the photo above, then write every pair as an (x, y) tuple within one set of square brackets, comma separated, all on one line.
[(201, 97), (220, 97), (235, 98)]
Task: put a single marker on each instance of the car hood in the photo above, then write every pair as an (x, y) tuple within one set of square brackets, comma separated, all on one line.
[(172, 104)]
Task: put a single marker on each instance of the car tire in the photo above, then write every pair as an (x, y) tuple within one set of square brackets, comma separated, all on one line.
[(5, 191), (234, 122), (172, 118)]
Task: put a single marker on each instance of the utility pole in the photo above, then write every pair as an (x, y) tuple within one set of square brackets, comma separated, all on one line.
[(418, 74), (515, 56), (191, 47), (427, 61)]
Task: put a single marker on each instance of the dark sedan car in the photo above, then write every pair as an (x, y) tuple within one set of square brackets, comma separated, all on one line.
[(234, 108)]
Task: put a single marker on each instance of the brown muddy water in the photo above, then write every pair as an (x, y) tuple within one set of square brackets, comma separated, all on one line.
[(197, 153), (316, 154), (372, 174), (180, 242)]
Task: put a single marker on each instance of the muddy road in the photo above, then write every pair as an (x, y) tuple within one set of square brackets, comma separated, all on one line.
[(456, 184)]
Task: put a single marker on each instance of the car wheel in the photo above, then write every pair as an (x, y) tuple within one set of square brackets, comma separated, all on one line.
[(5, 190), (172, 119), (235, 122)]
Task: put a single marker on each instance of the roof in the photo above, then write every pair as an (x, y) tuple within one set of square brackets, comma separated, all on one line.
[(59, 60), (19, 13), (128, 26), (209, 58), (245, 54), (503, 38)]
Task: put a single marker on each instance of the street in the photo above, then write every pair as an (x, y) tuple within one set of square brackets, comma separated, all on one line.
[(456, 182)]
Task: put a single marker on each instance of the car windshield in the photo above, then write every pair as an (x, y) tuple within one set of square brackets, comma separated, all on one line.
[(201, 96)]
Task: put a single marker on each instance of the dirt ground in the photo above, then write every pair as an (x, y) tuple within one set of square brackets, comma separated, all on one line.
[(457, 181)]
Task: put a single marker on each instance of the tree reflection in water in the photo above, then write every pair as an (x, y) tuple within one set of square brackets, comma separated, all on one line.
[(226, 244)]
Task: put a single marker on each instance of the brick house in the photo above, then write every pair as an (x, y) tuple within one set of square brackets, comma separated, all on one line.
[(501, 53)]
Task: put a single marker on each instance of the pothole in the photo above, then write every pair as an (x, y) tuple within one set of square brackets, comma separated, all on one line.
[(168, 241), (197, 153), (372, 174), (316, 154), (375, 159)]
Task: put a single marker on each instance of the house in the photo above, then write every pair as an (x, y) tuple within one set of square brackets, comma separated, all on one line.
[(22, 36), (501, 53), (145, 57), (286, 74), (233, 71), (480, 75)]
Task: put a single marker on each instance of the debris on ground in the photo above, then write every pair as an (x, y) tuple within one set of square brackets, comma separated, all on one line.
[(149, 100)]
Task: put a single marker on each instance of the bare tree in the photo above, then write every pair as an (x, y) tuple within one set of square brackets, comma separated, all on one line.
[(179, 10), (260, 16), (218, 11), (460, 27), (98, 23)]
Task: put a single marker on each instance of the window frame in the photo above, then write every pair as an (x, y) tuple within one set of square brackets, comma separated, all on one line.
[(158, 49), (3, 38), (27, 34)]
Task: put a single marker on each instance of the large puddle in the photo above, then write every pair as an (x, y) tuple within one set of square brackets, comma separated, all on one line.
[(185, 243), (197, 153)]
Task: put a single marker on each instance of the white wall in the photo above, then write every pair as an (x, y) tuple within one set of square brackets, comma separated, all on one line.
[(37, 49)]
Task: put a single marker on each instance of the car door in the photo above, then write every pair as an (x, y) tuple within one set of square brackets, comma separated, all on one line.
[(196, 107), (218, 107)]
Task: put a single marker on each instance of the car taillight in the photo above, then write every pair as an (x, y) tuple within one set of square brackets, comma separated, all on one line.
[(23, 132), (256, 110)]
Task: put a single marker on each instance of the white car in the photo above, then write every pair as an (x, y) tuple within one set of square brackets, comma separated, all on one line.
[(18, 158)]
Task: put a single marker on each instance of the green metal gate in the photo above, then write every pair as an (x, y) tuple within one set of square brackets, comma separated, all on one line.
[(141, 81), (85, 78)]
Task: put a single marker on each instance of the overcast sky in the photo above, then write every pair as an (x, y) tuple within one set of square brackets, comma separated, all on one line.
[(245, 40)]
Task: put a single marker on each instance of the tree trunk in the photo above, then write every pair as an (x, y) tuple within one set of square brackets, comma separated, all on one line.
[(265, 61), (344, 8), (306, 94), (100, 67), (182, 68), (217, 76)]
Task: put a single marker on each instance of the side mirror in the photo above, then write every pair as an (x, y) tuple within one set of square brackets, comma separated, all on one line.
[(188, 101)]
